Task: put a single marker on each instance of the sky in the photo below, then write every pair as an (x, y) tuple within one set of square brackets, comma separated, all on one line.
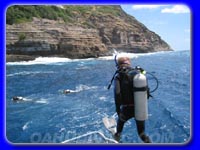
[(171, 22)]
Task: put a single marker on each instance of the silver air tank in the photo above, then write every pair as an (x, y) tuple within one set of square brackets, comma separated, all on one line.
[(140, 97)]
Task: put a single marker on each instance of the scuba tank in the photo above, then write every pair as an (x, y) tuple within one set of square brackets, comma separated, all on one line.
[(140, 96)]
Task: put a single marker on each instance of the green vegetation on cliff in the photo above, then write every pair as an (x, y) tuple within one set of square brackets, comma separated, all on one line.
[(25, 13)]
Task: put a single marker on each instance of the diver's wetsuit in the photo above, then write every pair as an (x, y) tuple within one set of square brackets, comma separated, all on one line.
[(125, 107)]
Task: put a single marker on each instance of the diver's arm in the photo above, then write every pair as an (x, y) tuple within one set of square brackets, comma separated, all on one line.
[(117, 95)]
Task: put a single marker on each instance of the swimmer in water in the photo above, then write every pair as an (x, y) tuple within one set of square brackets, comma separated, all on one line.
[(66, 91), (69, 91), (17, 98)]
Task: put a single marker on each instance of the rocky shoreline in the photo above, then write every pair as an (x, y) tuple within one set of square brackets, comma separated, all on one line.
[(17, 58), (91, 34)]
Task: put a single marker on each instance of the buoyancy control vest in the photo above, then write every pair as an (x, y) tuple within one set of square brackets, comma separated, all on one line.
[(134, 91), (125, 76)]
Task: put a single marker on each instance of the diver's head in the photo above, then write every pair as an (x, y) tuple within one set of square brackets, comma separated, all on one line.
[(124, 62), (17, 98), (66, 91)]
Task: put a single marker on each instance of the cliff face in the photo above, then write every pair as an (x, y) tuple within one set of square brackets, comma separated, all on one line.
[(90, 34), (43, 37)]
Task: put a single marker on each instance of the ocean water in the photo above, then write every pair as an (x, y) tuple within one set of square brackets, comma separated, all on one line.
[(46, 115)]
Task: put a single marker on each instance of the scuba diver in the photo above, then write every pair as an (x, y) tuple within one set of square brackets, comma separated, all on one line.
[(17, 98), (130, 93), (66, 91)]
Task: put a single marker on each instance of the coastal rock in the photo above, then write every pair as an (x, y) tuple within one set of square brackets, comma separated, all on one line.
[(14, 58), (88, 35)]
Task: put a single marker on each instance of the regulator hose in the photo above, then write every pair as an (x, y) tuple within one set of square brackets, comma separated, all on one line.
[(157, 83)]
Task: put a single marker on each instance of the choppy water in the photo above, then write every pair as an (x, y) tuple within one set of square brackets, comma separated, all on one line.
[(48, 116)]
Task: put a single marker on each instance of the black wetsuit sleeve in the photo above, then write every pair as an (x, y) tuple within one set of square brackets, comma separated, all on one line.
[(117, 95)]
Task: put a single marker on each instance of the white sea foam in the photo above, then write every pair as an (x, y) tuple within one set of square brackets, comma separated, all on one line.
[(48, 60), (41, 60), (82, 87), (27, 99), (102, 98), (79, 88), (130, 55), (62, 130), (59, 60), (42, 101), (26, 125), (163, 127), (23, 73)]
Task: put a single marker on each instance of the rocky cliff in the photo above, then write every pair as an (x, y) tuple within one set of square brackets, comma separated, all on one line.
[(91, 33)]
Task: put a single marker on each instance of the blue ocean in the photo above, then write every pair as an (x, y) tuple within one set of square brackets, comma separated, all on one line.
[(47, 115)]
